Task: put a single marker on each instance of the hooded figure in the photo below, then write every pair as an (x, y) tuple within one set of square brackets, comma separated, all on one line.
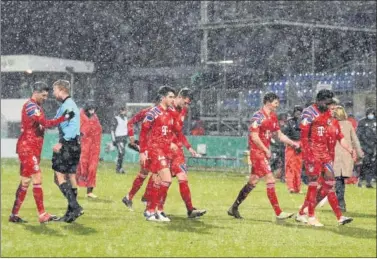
[(366, 132), (293, 156), (91, 133)]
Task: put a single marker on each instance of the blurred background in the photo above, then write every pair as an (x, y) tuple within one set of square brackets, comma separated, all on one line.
[(229, 53)]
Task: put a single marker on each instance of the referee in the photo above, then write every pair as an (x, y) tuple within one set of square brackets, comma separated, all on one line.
[(66, 153)]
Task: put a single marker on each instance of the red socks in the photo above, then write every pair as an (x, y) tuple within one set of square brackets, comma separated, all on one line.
[(148, 189), (38, 197), (184, 189), (138, 182), (271, 194), (20, 197)]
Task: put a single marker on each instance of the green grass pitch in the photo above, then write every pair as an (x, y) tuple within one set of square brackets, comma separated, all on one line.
[(108, 229)]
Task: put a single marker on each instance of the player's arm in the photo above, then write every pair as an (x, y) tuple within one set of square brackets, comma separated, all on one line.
[(143, 141), (283, 138), (114, 125), (257, 141), (138, 117), (36, 115), (182, 138), (305, 125)]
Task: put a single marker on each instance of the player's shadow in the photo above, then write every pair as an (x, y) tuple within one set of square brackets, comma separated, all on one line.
[(79, 229), (184, 224), (347, 230), (355, 214), (42, 229)]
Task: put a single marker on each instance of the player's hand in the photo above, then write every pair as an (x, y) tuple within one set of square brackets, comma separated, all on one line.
[(57, 147), (268, 153), (68, 114), (132, 140), (296, 144), (142, 158), (193, 152), (114, 143), (173, 146)]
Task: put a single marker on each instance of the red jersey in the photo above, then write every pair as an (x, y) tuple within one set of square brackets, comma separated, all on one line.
[(313, 127), (333, 134), (264, 125), (33, 124), (156, 129), (179, 117), (138, 117)]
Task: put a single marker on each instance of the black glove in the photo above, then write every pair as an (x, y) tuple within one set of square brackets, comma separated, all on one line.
[(298, 150), (68, 114), (134, 146), (114, 143)]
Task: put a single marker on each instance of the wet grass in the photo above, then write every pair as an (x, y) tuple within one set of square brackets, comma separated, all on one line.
[(108, 229)]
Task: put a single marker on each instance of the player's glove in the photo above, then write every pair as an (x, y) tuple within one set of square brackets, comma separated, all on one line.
[(134, 146), (114, 143), (298, 150), (68, 114)]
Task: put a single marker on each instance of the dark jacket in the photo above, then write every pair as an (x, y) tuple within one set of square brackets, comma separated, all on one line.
[(292, 130), (366, 132)]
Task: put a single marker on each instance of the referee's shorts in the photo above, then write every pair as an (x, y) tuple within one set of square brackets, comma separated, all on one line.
[(67, 159)]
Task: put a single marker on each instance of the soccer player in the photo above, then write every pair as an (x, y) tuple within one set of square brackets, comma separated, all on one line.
[(29, 148), (178, 166), (263, 124), (155, 137), (315, 120), (144, 171), (66, 153), (333, 135)]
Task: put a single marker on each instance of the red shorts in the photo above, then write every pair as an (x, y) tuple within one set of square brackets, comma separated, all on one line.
[(178, 163), (29, 164), (158, 159), (260, 164), (317, 167)]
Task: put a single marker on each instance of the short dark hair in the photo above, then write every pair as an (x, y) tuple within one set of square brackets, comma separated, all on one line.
[(186, 93), (164, 90), (123, 108), (324, 94), (40, 87), (270, 97), (297, 108)]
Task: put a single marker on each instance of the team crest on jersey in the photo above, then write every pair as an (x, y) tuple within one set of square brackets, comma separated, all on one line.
[(305, 121), (328, 121), (311, 168), (37, 112)]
